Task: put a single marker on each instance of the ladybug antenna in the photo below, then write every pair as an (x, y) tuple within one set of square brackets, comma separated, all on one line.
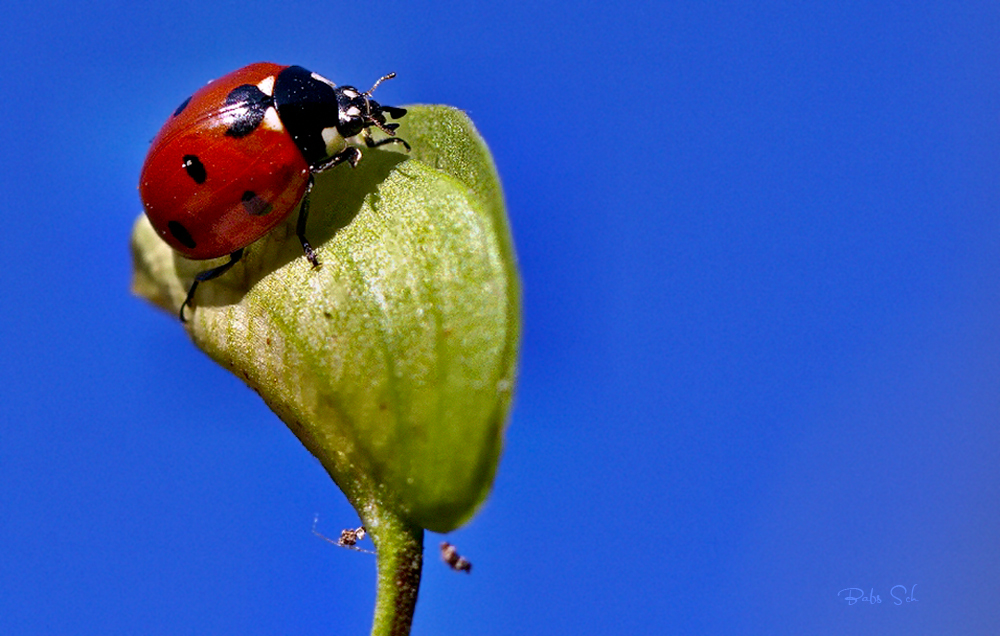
[(371, 90)]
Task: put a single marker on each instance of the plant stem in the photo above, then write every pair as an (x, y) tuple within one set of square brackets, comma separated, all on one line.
[(399, 547)]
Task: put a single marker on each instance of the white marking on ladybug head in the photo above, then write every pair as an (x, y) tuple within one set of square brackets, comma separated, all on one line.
[(349, 114), (317, 76), (272, 121), (350, 92), (266, 86)]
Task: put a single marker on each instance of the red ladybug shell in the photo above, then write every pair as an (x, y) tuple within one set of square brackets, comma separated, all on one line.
[(213, 183)]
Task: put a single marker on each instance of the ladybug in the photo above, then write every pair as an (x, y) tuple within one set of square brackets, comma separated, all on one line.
[(235, 158)]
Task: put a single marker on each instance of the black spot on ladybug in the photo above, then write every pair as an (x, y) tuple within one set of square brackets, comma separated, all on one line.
[(182, 106), (254, 205), (245, 107), (195, 169), (181, 234)]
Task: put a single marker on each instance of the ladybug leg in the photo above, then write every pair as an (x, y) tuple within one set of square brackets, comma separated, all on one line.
[(209, 274), (350, 154), (393, 111), (300, 226)]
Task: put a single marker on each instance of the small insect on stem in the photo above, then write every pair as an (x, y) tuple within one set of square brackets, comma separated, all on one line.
[(457, 562), (349, 537)]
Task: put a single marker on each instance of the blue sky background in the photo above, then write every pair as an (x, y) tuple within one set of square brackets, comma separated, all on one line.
[(760, 244)]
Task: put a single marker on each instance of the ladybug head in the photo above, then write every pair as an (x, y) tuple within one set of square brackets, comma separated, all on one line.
[(359, 111)]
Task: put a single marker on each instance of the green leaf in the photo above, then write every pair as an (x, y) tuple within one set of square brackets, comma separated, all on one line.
[(394, 361)]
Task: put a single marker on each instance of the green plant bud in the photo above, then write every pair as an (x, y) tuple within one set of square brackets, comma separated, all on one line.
[(394, 361)]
